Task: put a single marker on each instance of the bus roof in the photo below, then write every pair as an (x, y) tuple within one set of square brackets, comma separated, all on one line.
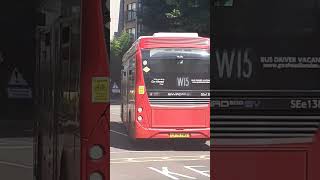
[(169, 40)]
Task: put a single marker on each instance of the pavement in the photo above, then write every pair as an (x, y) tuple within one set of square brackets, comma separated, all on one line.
[(156, 160), (16, 158)]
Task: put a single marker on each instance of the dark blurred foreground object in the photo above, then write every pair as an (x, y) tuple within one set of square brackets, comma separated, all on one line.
[(265, 96), (72, 94)]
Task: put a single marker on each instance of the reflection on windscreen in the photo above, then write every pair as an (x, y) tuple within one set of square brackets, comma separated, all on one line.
[(266, 44), (223, 2), (268, 17), (176, 69), (173, 66)]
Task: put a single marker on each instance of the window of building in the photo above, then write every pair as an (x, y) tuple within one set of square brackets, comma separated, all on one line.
[(132, 32), (196, 3), (223, 3), (132, 9), (140, 29), (140, 5)]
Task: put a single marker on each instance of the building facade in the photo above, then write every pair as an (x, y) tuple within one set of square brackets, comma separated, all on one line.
[(116, 17), (128, 19)]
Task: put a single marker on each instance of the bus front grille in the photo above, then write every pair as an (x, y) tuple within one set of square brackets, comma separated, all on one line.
[(263, 129), (177, 101)]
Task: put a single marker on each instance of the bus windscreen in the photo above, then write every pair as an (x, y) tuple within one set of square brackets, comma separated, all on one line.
[(176, 70), (258, 50)]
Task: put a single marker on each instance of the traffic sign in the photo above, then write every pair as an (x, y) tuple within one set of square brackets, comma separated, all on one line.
[(18, 87), (115, 88), (17, 78)]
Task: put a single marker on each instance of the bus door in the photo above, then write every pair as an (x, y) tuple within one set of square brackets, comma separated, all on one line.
[(67, 121), (131, 89), (59, 82), (124, 93), (42, 139)]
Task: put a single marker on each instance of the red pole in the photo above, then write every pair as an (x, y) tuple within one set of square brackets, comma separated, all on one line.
[(94, 64)]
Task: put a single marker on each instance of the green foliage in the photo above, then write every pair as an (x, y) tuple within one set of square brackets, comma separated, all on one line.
[(176, 16), (119, 45)]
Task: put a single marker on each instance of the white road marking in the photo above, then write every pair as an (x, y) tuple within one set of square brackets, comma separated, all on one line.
[(116, 114), (159, 159), (16, 164), (119, 133), (173, 175), (123, 152), (204, 173), (170, 174)]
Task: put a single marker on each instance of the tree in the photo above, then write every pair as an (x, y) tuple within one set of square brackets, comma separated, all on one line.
[(119, 45), (176, 16)]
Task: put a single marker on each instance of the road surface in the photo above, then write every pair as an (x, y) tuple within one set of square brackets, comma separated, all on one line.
[(16, 158), (157, 160)]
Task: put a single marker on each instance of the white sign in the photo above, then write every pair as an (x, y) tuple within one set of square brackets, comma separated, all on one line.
[(19, 93), (115, 88), (18, 88)]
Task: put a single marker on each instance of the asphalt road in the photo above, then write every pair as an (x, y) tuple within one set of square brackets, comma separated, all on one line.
[(151, 160), (156, 160), (16, 158)]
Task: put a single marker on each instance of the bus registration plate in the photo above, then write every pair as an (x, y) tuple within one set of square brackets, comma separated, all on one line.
[(179, 135)]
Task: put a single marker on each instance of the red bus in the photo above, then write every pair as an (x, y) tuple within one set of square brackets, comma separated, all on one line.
[(71, 139), (165, 87), (265, 95)]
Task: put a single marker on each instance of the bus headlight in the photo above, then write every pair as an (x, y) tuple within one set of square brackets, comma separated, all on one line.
[(140, 118), (140, 109), (96, 176), (96, 152)]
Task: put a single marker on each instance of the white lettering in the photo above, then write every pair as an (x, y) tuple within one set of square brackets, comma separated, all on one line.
[(226, 63), (183, 81)]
